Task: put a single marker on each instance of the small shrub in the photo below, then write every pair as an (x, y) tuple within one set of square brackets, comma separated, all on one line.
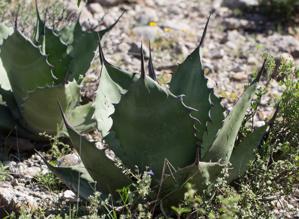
[(4, 172), (49, 181)]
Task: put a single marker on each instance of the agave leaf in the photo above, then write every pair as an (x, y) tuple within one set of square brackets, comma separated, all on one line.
[(40, 110), (200, 175), (113, 83), (160, 128), (245, 152), (26, 68), (4, 33), (107, 94), (82, 118), (76, 178), (189, 80), (83, 48), (82, 51), (39, 30), (66, 34), (122, 78), (10, 116), (4, 82), (9, 125), (56, 50), (223, 144), (109, 177), (57, 55), (151, 69), (216, 115), (7, 122), (9, 101)]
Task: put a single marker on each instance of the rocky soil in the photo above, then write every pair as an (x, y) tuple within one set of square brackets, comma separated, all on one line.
[(233, 51)]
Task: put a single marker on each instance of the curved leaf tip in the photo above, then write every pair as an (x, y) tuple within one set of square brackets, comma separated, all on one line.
[(151, 70), (261, 71), (17, 17), (142, 62), (205, 30)]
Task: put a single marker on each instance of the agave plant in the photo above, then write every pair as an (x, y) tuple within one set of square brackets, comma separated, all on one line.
[(37, 73), (180, 133)]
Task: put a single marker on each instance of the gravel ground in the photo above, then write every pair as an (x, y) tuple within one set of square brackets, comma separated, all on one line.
[(232, 52)]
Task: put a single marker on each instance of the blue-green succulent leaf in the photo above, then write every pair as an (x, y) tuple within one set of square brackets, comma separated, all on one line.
[(83, 49), (4, 33), (189, 80), (9, 125), (244, 153), (76, 178), (103, 170), (54, 48), (7, 122), (8, 100), (57, 55), (66, 34), (215, 122), (113, 83), (40, 108), (26, 68), (223, 144), (160, 128), (81, 117)]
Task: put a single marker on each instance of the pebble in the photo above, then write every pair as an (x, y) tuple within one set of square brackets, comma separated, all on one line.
[(69, 195), (259, 123), (235, 36), (240, 76), (31, 172), (6, 196), (216, 53), (68, 160), (237, 69), (240, 3)]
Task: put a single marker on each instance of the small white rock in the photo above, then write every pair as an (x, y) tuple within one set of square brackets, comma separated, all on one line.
[(251, 60), (69, 194), (95, 8)]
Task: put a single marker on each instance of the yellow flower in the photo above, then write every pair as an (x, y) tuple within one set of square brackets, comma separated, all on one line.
[(152, 24)]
